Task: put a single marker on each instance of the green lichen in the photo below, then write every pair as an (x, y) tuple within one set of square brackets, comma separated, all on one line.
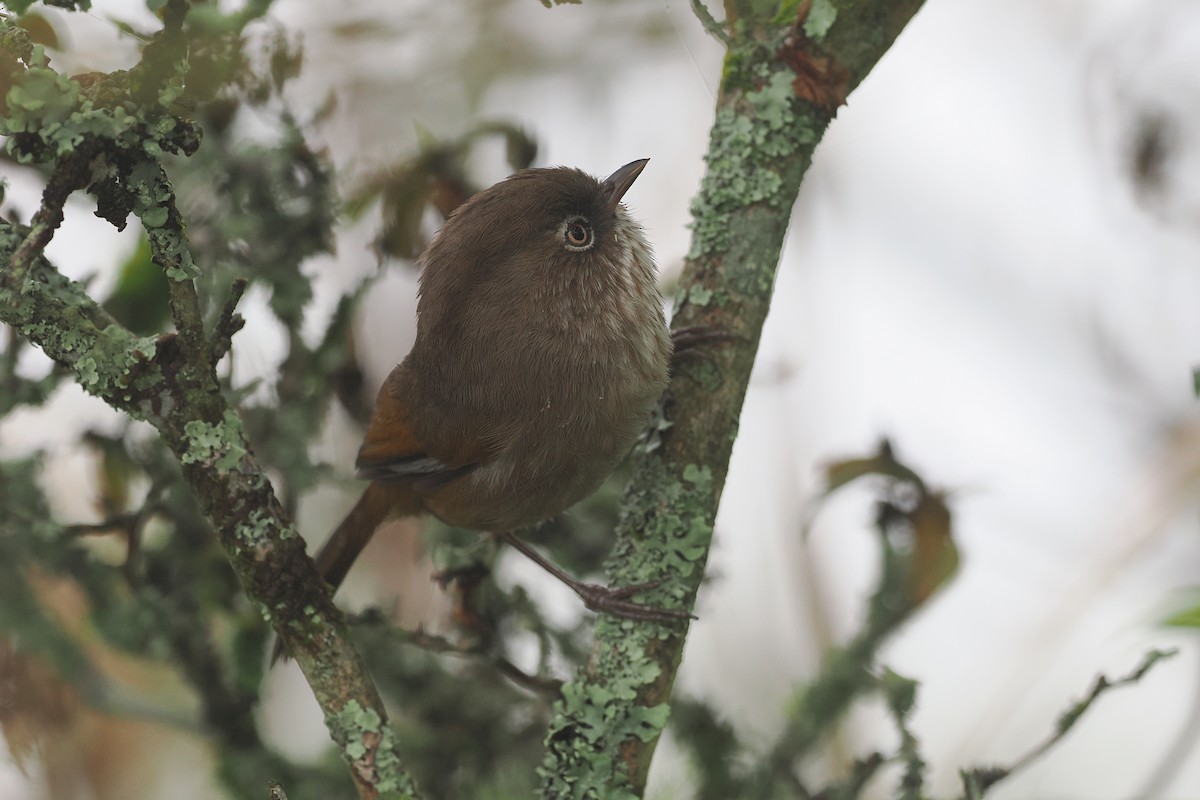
[(55, 312), (821, 16), (596, 716), (54, 115), (353, 722), (126, 355), (698, 476), (772, 104), (153, 197), (49, 116), (748, 141), (43, 99), (699, 296), (353, 728), (314, 617), (219, 445), (172, 253), (85, 368), (664, 533), (261, 528)]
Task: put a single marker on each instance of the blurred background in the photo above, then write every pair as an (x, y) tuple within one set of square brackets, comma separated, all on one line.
[(994, 262)]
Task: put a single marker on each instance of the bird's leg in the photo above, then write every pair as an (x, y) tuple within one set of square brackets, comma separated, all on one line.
[(600, 598)]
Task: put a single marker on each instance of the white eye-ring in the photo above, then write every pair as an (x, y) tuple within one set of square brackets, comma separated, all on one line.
[(577, 234)]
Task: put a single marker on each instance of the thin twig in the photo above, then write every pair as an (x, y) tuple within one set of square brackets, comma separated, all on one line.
[(710, 23), (229, 323), (130, 524), (433, 643), (170, 252), (977, 782)]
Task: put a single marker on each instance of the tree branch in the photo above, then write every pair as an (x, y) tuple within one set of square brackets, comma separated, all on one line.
[(714, 28), (105, 135), (782, 85), (169, 249), (141, 376), (70, 174)]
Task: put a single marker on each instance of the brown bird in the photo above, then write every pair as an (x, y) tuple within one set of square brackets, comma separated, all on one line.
[(541, 350)]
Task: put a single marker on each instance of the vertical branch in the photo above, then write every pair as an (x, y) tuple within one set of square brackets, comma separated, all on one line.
[(168, 246), (782, 84), (107, 134)]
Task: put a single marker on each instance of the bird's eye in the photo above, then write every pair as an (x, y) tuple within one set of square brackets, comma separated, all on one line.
[(577, 234)]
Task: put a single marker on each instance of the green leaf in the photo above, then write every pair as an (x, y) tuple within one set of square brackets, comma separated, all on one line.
[(1186, 618)]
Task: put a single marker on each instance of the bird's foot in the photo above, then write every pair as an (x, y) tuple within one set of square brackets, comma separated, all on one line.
[(615, 601), (689, 340), (601, 599)]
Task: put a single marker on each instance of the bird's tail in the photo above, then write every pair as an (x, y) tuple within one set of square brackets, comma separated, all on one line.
[(379, 502)]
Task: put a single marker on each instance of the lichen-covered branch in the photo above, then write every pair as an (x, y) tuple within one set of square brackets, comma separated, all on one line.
[(106, 134), (138, 375), (70, 174), (788, 68)]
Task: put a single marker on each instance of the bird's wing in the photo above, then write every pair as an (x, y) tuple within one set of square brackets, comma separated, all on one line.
[(392, 451)]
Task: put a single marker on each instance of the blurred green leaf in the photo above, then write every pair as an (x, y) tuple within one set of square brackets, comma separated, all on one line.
[(140, 299), (1186, 618)]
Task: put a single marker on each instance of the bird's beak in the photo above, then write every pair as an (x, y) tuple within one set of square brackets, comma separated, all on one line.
[(618, 183)]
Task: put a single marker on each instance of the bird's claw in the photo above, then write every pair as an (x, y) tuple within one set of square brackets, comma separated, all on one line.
[(689, 339), (615, 601)]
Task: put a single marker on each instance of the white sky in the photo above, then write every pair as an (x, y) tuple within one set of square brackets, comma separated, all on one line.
[(969, 272)]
